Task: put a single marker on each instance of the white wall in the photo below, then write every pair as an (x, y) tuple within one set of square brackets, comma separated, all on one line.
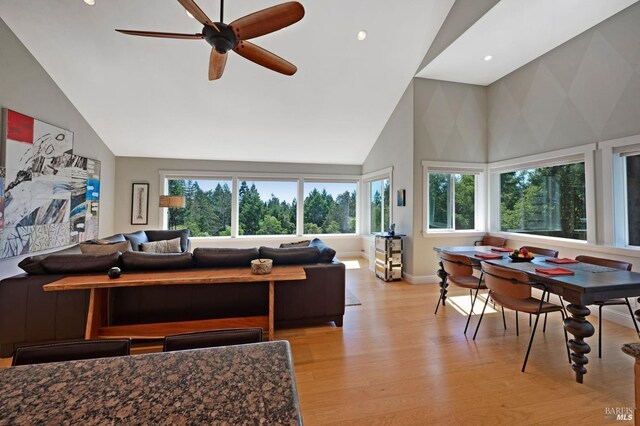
[(394, 148), (26, 87), (147, 170)]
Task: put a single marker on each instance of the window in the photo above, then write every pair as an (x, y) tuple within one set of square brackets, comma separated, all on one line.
[(452, 201), (548, 201), (379, 205), (632, 183), (267, 207), (208, 206), (330, 207), (454, 196)]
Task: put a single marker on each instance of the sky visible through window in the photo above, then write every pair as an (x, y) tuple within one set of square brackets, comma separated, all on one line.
[(284, 190)]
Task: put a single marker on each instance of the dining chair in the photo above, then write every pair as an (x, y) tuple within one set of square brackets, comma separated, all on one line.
[(512, 290), (489, 240), (211, 339), (459, 272), (71, 351), (541, 251), (616, 264)]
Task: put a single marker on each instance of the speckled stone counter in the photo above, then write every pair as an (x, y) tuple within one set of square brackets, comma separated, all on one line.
[(247, 384)]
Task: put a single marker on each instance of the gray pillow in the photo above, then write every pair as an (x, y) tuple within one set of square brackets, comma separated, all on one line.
[(162, 246), (105, 248), (326, 253), (137, 238)]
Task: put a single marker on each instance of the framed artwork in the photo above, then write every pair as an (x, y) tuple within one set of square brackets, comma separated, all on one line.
[(140, 204), (401, 202), (49, 197)]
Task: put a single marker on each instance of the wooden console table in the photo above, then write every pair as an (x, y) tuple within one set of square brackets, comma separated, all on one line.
[(98, 313)]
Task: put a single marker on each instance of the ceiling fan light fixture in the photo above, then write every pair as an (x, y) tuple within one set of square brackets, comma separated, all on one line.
[(362, 34), (90, 2), (488, 58)]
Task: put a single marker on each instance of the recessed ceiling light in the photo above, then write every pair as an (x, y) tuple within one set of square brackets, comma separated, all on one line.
[(488, 58), (362, 34), (189, 14), (90, 2)]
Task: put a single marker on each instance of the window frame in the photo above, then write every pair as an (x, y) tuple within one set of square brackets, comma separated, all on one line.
[(584, 153), (366, 179), (237, 177), (615, 220), (480, 172)]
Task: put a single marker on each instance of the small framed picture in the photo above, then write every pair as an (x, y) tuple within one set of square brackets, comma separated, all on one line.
[(140, 204), (401, 200)]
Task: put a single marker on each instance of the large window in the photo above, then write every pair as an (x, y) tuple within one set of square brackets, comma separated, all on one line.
[(267, 207), (451, 201), (632, 176), (208, 206), (454, 196), (547, 201), (379, 205), (329, 207)]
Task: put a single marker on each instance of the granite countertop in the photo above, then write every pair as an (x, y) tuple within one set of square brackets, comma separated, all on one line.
[(632, 349), (246, 384)]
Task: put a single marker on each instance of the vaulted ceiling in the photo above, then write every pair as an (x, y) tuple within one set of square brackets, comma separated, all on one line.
[(151, 97)]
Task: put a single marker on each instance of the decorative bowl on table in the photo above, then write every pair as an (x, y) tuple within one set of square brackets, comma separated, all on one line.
[(261, 266), (516, 258)]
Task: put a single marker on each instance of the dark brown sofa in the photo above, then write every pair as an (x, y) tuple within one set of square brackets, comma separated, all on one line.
[(29, 315)]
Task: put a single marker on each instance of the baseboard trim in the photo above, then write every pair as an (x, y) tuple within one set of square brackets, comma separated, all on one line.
[(347, 254), (420, 279)]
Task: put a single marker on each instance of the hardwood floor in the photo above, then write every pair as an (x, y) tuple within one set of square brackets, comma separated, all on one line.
[(395, 362)]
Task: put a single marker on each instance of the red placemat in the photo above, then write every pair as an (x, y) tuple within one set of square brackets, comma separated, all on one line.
[(502, 249), (488, 256), (554, 271), (561, 261)]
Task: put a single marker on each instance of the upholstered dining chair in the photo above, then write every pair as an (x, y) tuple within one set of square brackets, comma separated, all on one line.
[(512, 290), (211, 339), (459, 272), (616, 264), (541, 251), (489, 240), (71, 351)]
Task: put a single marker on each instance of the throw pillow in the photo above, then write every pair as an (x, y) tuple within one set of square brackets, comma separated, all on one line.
[(136, 239), (105, 248), (162, 246), (157, 235), (303, 243)]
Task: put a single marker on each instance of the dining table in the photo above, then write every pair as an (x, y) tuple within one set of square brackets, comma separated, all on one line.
[(585, 285), (243, 384)]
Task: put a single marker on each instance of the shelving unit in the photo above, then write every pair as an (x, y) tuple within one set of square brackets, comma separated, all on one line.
[(389, 249)]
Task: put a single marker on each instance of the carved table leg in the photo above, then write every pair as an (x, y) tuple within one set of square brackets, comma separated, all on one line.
[(443, 285), (578, 325)]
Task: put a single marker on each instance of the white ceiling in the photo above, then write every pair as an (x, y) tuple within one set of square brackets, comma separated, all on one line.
[(516, 32), (151, 97)]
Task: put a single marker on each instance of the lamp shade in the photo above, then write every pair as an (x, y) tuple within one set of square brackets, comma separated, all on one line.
[(173, 201)]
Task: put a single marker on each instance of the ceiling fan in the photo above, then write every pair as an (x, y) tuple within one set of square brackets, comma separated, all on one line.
[(224, 37)]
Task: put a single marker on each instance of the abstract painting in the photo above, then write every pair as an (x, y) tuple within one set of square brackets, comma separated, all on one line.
[(49, 197)]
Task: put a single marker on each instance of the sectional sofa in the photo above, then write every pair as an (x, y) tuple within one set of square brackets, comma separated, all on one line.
[(29, 315)]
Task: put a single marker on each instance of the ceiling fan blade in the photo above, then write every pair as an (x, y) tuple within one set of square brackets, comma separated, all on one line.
[(265, 58), (162, 35), (267, 20), (197, 13), (217, 61)]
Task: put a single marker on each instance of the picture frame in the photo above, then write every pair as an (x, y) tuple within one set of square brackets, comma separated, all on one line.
[(401, 200), (140, 204)]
